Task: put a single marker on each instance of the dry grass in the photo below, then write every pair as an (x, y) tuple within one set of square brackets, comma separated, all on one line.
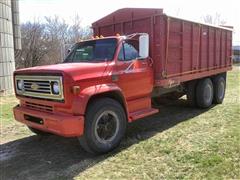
[(10, 129)]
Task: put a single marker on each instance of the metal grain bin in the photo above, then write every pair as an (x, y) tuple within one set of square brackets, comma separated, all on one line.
[(9, 31)]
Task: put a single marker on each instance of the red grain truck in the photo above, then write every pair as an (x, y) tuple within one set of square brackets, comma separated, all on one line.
[(138, 57)]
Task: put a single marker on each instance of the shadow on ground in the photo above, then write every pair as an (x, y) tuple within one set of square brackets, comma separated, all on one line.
[(54, 157)]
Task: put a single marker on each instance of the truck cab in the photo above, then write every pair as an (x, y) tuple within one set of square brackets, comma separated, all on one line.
[(102, 84)]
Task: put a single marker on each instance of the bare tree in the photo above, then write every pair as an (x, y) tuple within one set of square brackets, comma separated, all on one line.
[(34, 45), (215, 19), (57, 29), (44, 42), (77, 32)]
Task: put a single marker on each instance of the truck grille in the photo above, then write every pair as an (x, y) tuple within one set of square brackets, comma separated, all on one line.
[(39, 86), (39, 107), (42, 86)]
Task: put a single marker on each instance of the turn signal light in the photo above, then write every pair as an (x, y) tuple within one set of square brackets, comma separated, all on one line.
[(76, 90), (97, 37)]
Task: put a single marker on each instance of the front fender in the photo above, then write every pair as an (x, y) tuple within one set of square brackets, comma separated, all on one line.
[(80, 102)]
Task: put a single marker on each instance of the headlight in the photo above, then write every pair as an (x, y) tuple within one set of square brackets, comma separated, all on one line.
[(55, 88), (20, 84)]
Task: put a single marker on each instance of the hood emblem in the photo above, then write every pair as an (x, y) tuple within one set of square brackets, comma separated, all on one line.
[(34, 86)]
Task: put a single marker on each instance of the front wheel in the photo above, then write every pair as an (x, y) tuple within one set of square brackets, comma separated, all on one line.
[(105, 125)]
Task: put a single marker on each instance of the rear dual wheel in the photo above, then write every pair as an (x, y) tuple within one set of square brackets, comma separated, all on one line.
[(191, 93), (204, 92), (219, 89)]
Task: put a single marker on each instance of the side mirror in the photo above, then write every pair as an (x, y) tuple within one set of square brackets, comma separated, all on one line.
[(144, 46)]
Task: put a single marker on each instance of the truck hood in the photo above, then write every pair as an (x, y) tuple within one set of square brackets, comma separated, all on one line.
[(76, 71)]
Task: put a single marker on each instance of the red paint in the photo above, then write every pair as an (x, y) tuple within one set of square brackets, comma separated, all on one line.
[(180, 51), (178, 47), (57, 123)]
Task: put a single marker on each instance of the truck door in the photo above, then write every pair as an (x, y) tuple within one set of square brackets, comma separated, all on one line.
[(135, 76)]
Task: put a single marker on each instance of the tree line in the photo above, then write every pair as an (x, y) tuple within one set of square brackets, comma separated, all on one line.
[(46, 41)]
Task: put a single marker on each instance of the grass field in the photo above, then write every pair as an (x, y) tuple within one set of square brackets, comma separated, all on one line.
[(178, 143)]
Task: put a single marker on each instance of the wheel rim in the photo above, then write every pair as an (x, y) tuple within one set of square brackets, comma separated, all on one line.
[(208, 93), (107, 126), (221, 90)]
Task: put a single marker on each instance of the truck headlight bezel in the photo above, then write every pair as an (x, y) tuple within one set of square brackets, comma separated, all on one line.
[(55, 88), (20, 84)]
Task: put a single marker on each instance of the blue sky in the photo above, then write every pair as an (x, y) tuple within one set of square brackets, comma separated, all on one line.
[(91, 10)]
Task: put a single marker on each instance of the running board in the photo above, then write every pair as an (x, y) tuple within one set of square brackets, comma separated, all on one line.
[(142, 113)]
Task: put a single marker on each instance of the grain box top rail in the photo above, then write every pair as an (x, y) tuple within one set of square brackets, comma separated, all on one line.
[(200, 23), (130, 14)]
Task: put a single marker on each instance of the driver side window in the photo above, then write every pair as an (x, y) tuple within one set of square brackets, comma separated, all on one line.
[(129, 50)]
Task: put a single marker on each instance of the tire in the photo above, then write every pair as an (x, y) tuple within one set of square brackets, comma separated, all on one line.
[(191, 93), (105, 126), (204, 93), (219, 84), (39, 132)]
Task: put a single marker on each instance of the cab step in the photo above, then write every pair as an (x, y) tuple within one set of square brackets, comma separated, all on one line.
[(142, 113)]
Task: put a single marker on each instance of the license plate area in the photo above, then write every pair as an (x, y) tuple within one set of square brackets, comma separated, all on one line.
[(33, 119)]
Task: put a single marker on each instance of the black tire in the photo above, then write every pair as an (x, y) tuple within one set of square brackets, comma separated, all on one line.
[(39, 132), (103, 116), (191, 93), (204, 93), (219, 84)]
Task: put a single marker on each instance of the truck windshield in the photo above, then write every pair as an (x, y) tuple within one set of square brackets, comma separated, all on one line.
[(92, 51)]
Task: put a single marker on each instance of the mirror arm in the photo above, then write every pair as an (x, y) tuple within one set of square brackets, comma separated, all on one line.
[(130, 36)]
